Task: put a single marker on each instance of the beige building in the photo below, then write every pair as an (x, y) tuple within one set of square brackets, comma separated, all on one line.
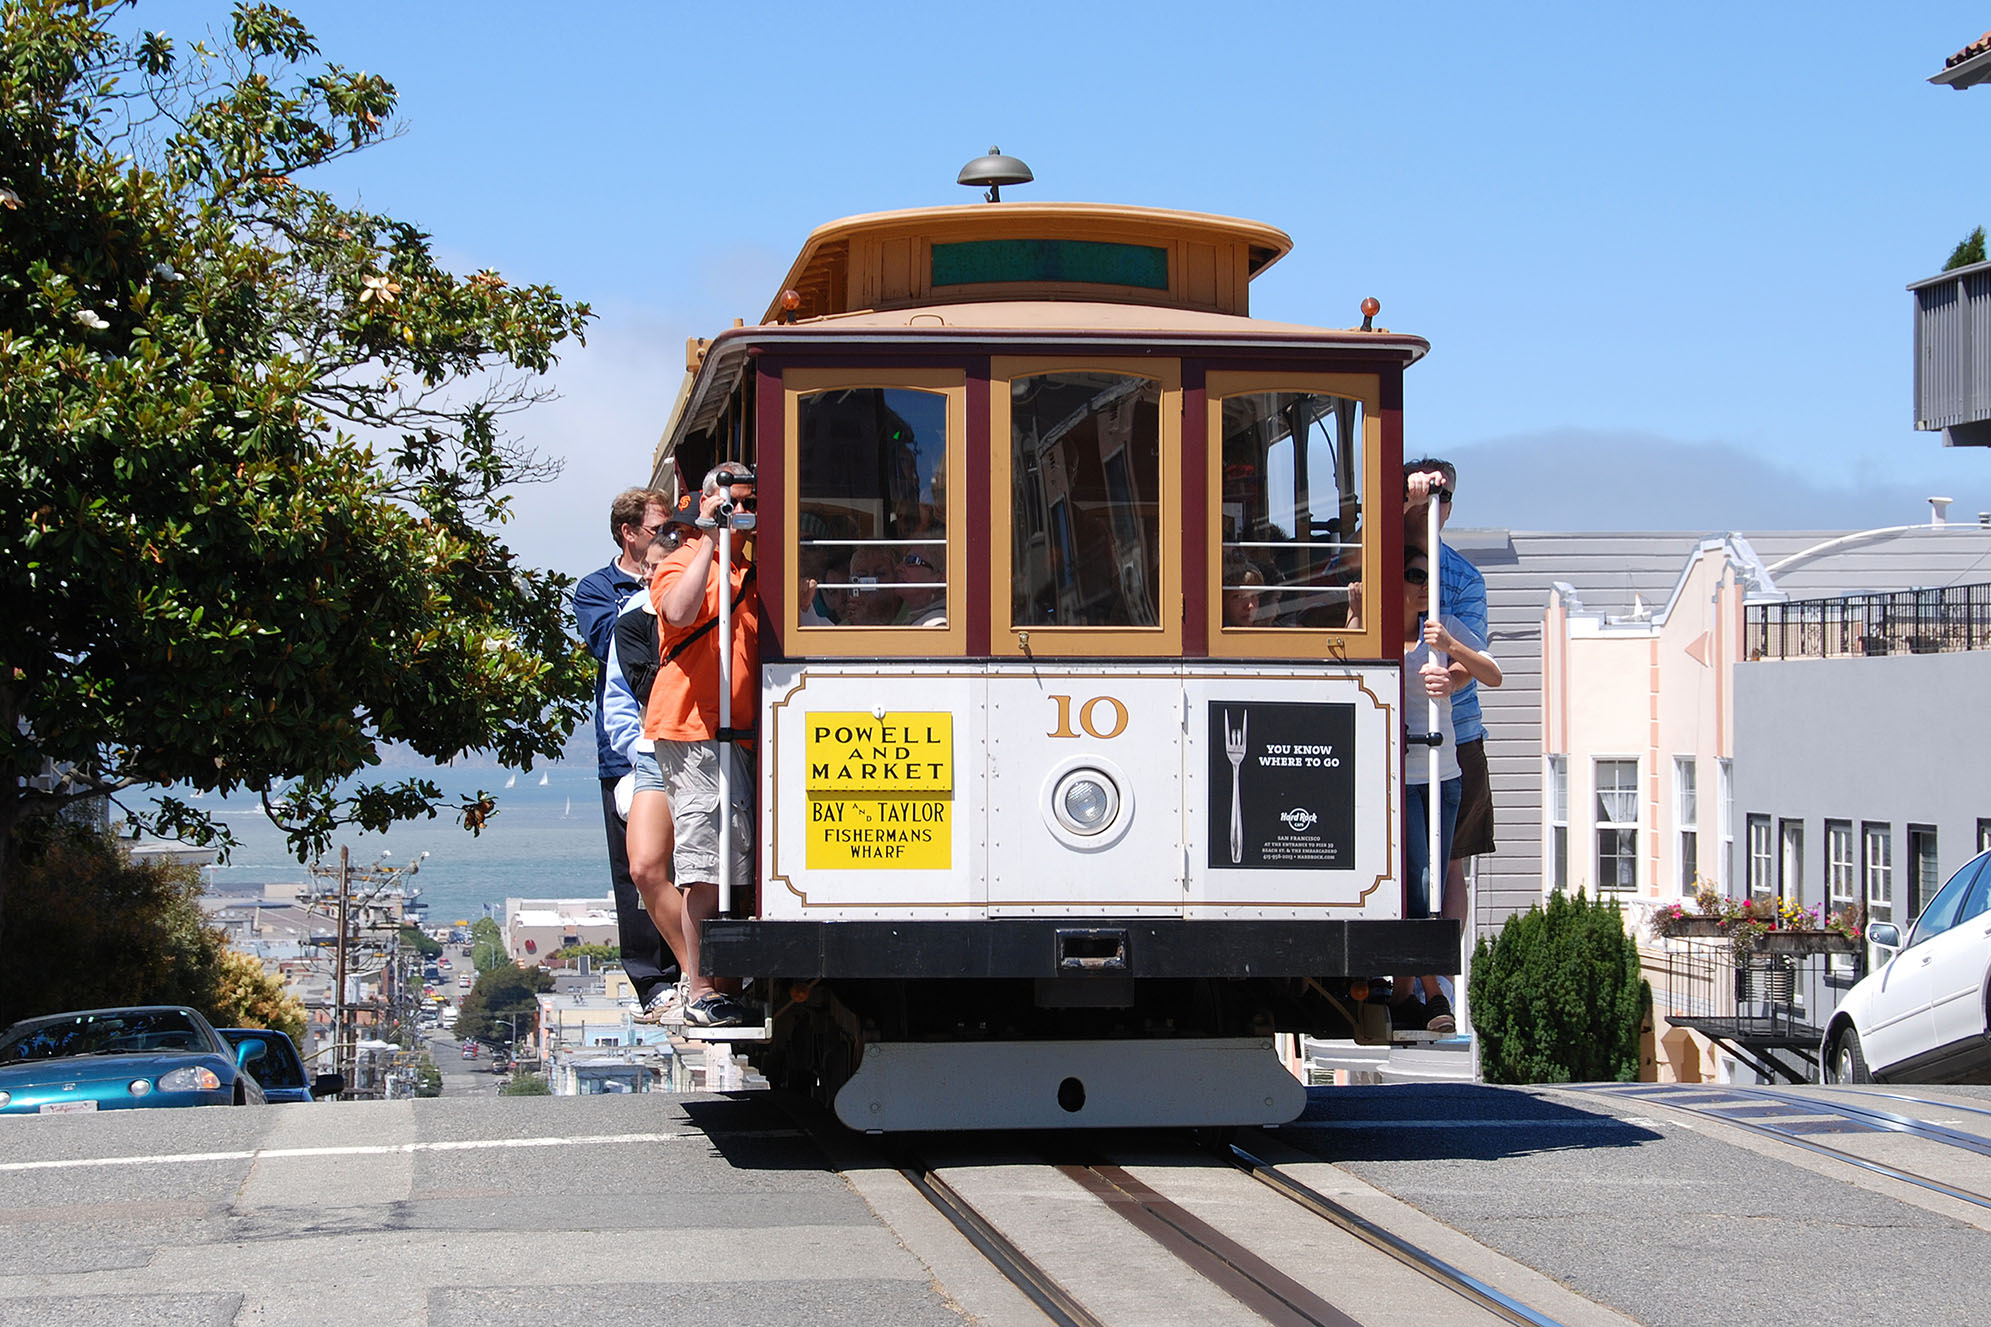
[(536, 929)]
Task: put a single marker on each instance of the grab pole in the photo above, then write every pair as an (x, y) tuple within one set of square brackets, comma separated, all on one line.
[(1435, 869), (725, 716)]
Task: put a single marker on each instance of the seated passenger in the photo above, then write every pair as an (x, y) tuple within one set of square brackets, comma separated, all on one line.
[(922, 596), (871, 603)]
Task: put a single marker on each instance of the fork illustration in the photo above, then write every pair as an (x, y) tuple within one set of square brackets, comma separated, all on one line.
[(1234, 745)]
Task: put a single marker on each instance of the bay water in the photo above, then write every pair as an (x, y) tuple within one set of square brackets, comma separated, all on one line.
[(545, 841)]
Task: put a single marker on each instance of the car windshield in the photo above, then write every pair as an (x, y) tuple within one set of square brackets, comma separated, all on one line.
[(137, 1032)]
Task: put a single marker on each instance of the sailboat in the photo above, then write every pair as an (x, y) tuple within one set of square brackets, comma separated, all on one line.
[(511, 781), (544, 776), (569, 812)]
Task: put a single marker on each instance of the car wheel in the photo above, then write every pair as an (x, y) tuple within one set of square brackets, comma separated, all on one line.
[(1849, 1064)]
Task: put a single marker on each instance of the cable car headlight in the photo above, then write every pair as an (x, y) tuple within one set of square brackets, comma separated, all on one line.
[(1086, 801)]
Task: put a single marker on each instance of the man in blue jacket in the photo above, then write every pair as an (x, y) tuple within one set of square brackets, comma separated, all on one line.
[(635, 518)]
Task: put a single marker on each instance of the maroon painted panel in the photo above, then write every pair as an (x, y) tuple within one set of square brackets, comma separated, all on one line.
[(980, 504), (1195, 513), (770, 548)]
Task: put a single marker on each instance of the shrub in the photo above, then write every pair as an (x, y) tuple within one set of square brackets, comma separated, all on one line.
[(1557, 996), (527, 1085)]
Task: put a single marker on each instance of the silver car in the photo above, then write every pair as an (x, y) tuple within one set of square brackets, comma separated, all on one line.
[(1920, 1017)]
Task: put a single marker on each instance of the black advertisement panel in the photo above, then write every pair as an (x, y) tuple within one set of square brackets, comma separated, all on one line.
[(1282, 786)]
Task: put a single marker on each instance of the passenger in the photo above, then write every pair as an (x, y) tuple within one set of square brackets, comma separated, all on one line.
[(922, 597), (873, 569), (1468, 659), (634, 519), (633, 664), (1461, 594), (1241, 579), (683, 721)]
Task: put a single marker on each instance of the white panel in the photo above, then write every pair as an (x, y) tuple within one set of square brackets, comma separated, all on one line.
[(1069, 1085), (1122, 721), (790, 694), (1317, 777)]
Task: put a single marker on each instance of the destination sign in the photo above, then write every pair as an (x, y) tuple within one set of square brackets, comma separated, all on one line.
[(880, 791), (909, 752)]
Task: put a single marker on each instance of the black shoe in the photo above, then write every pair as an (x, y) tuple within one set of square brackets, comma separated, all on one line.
[(720, 1011), (1438, 1015)]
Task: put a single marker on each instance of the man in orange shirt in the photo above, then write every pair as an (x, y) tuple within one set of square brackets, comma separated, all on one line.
[(683, 720)]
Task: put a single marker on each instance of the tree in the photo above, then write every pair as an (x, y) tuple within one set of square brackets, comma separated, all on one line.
[(248, 995), (487, 946), (253, 445), (428, 1078), (415, 938), (502, 1003), (1557, 996), (527, 1085), (92, 928), (1969, 250)]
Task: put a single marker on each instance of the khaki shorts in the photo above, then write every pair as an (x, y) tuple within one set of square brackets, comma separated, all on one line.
[(691, 776), (1474, 835)]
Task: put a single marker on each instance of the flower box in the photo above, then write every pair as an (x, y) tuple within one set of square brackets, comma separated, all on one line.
[(1806, 942)]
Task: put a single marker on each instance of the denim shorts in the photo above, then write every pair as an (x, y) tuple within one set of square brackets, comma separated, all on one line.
[(649, 778)]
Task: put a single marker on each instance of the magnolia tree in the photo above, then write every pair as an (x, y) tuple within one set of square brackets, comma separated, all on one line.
[(254, 445)]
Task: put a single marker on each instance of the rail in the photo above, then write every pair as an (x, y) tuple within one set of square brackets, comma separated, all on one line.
[(1942, 620)]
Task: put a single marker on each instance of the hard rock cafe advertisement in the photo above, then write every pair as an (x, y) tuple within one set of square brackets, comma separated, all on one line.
[(1282, 786)]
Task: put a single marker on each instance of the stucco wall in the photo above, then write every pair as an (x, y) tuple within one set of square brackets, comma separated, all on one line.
[(1899, 739)]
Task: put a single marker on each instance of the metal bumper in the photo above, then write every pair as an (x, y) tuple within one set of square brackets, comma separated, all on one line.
[(1043, 947)]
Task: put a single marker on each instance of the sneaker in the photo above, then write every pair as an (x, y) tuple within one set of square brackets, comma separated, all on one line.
[(1440, 1017), (662, 1001), (719, 1011)]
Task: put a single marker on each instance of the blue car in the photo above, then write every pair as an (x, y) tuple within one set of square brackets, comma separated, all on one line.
[(119, 1059), (272, 1057)]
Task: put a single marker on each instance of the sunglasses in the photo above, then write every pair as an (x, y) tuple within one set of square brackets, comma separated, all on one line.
[(915, 560), (1416, 576), (1444, 495)]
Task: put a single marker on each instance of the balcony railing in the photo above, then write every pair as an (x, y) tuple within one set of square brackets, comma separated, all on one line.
[(1937, 621)]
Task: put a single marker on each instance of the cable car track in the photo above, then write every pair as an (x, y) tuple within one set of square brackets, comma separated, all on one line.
[(1246, 1276), (1865, 1119)]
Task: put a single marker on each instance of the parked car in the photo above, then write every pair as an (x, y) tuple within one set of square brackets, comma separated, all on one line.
[(1920, 1017), (119, 1059), (272, 1057)]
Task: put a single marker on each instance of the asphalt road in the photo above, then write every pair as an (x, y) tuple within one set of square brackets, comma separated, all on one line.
[(699, 1209)]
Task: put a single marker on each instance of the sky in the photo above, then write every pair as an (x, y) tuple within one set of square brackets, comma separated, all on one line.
[(1659, 251)]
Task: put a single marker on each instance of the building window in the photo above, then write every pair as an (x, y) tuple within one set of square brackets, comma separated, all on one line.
[(1617, 824), (1983, 835), (1558, 818), (1687, 819), (1924, 875), (1762, 867), (1840, 888), (1724, 769), (1790, 862), (1878, 861)]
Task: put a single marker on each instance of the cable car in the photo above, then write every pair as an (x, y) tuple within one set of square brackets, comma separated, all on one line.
[(1078, 752)]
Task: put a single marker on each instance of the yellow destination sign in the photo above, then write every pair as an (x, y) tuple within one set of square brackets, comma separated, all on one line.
[(873, 832), (900, 753)]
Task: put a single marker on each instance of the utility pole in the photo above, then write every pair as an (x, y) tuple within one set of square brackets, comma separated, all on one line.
[(341, 1046)]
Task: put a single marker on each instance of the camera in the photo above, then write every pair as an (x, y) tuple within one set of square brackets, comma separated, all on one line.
[(738, 513)]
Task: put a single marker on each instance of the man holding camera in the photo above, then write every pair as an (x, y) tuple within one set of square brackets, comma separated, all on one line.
[(683, 720)]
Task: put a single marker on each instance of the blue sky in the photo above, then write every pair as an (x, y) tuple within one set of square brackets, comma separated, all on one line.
[(1646, 243)]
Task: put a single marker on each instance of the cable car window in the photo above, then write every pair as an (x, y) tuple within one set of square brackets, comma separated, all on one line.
[(1085, 466), (872, 508), (1292, 510)]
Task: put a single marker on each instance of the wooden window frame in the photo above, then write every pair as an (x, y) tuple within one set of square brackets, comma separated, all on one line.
[(1294, 642), (1006, 639), (838, 642)]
